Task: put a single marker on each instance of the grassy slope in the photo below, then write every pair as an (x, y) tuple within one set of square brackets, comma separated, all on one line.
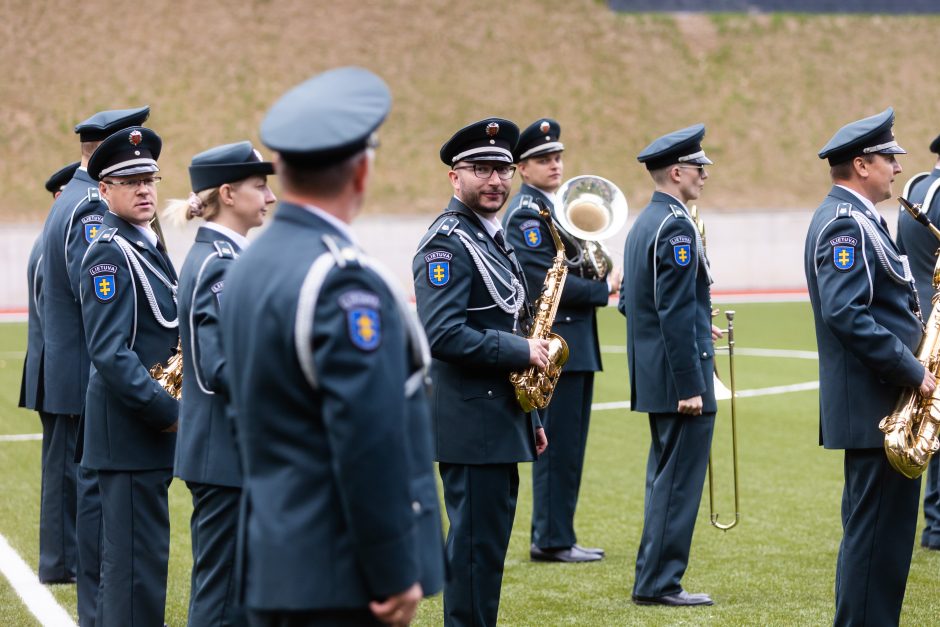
[(771, 88), (776, 568)]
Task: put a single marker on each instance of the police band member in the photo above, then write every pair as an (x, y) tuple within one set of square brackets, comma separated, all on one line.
[(128, 293), (867, 324), (341, 524), (470, 298), (73, 222), (57, 500), (230, 192), (920, 246), (556, 476), (670, 352)]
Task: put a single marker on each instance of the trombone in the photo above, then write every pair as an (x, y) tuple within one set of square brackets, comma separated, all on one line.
[(729, 348)]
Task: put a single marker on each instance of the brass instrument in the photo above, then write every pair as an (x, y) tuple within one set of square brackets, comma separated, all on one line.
[(170, 376), (590, 209), (534, 386), (911, 430), (722, 393)]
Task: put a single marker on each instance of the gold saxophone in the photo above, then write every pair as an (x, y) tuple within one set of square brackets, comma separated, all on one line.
[(534, 386), (170, 376), (911, 430)]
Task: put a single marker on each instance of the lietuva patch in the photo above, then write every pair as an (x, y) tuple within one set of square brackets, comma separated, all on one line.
[(531, 233), (103, 281), (92, 226), (438, 264), (843, 252), (363, 320)]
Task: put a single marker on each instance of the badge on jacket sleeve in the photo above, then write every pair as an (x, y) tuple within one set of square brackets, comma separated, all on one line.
[(102, 280), (438, 263), (843, 252), (92, 226), (362, 318), (531, 233), (682, 249)]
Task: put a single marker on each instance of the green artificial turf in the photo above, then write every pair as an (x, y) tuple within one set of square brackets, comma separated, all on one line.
[(776, 567)]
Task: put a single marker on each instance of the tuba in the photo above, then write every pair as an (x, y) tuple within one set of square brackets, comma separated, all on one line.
[(911, 430), (534, 386), (590, 209)]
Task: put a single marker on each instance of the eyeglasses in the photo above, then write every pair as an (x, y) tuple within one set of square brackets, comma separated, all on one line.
[(700, 168), (147, 182), (485, 170)]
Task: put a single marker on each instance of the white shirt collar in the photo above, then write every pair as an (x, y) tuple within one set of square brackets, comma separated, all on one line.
[(490, 223), (867, 203), (681, 204), (340, 226), (148, 233), (240, 240)]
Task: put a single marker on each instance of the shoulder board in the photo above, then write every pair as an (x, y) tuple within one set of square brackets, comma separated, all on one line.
[(106, 235), (93, 195), (447, 226), (224, 249), (342, 254), (844, 210), (676, 211)]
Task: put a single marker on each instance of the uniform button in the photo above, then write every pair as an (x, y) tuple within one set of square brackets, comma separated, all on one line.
[(567, 318), (489, 393), (416, 507), (704, 354)]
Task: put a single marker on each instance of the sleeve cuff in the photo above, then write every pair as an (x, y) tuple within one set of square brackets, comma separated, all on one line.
[(162, 411), (512, 350), (390, 567), (690, 382)]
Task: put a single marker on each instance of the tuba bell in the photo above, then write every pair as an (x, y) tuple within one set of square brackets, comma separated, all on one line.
[(590, 209)]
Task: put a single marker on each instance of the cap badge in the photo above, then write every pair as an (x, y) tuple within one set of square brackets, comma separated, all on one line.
[(135, 137), (544, 126), (492, 129)]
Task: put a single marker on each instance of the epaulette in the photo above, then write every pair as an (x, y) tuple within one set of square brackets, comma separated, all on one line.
[(224, 249), (447, 226), (106, 235), (343, 254), (94, 195), (676, 211), (844, 210)]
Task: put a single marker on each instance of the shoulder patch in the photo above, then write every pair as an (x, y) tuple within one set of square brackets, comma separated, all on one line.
[(531, 233), (447, 226), (680, 239), (107, 235), (682, 253), (438, 267), (224, 248), (91, 226), (103, 281), (843, 252), (363, 320)]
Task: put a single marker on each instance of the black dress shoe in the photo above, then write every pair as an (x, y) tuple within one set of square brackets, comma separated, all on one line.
[(570, 555), (679, 599), (588, 549)]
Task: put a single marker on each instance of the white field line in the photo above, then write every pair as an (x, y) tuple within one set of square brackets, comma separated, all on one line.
[(749, 352), (777, 389), (21, 437), (36, 596)]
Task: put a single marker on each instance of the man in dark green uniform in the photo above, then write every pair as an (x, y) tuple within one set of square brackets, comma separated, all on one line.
[(666, 297), (471, 297)]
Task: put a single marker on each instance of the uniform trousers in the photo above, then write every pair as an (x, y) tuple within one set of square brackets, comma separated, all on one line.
[(675, 474), (318, 618), (135, 547), (88, 534), (879, 522), (58, 496), (213, 595), (556, 476), (481, 504), (931, 536)]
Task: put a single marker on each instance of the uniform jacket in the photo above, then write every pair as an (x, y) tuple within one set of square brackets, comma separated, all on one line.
[(127, 410), (576, 320), (667, 302), (475, 344), (339, 497), (917, 242), (865, 323), (31, 387), (74, 220), (205, 443)]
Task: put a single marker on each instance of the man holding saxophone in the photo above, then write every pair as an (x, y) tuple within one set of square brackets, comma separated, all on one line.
[(556, 476), (868, 322), (471, 300), (666, 297)]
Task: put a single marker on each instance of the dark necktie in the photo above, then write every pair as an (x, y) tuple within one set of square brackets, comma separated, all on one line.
[(500, 240), (884, 223)]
